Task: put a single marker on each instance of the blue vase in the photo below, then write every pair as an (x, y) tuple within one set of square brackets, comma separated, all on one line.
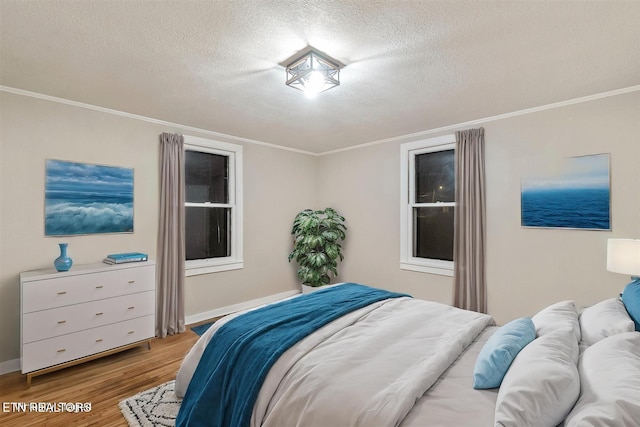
[(63, 262)]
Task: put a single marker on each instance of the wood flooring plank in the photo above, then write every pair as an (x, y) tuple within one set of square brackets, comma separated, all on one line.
[(102, 382)]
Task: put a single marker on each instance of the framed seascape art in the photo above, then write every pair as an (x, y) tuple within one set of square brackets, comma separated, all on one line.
[(83, 198), (573, 194)]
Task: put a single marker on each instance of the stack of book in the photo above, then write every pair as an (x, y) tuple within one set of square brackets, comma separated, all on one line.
[(126, 257)]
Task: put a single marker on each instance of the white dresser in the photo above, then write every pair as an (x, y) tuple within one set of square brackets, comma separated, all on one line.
[(85, 313)]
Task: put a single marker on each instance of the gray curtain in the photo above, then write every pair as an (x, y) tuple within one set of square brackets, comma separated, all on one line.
[(469, 287), (171, 252)]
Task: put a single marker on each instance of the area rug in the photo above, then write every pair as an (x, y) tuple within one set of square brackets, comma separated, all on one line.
[(154, 407)]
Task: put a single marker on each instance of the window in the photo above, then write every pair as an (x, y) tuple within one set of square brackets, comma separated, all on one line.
[(427, 205), (213, 206)]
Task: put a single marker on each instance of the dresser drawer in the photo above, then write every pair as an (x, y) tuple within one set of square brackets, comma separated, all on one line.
[(53, 351), (67, 290), (44, 324)]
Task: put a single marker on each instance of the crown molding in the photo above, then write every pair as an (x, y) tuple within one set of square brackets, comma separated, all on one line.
[(149, 119), (401, 138), (458, 126)]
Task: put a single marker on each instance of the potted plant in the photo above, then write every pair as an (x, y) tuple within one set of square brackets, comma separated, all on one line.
[(316, 245)]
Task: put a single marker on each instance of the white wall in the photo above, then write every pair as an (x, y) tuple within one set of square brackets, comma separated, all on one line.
[(364, 186), (531, 268), (277, 184), (527, 269)]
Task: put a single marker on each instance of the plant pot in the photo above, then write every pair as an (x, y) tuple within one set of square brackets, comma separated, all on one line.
[(306, 289)]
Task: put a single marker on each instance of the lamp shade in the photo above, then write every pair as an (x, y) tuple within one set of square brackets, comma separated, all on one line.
[(623, 256)]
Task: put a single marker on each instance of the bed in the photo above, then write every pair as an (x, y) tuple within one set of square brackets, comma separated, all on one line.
[(385, 359)]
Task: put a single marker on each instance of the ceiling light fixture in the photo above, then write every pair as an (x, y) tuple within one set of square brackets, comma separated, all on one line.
[(313, 72)]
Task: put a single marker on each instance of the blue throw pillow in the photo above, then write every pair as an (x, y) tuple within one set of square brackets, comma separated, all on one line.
[(500, 350), (631, 300)]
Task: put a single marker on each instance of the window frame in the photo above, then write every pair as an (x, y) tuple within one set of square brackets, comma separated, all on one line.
[(408, 151), (234, 152)]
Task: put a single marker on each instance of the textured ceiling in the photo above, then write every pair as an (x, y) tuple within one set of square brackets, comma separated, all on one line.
[(411, 66)]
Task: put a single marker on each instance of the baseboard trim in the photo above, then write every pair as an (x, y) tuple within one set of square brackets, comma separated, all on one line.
[(9, 366), (222, 311)]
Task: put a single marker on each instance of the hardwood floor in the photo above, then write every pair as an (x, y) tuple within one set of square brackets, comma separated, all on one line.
[(102, 382)]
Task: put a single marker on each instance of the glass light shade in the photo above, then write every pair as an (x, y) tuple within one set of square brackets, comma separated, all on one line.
[(313, 73), (315, 83), (623, 256)]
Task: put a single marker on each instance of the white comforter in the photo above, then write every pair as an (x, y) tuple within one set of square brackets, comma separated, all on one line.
[(367, 368)]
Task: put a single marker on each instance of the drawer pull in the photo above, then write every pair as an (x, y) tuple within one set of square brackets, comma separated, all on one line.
[(130, 332), (62, 293), (132, 307), (99, 287), (99, 314), (132, 281), (62, 350), (60, 322), (99, 340)]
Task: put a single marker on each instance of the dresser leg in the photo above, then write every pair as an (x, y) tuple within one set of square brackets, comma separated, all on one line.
[(149, 345), (28, 380)]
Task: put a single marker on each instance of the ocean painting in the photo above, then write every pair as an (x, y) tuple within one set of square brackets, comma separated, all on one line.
[(83, 198), (575, 194)]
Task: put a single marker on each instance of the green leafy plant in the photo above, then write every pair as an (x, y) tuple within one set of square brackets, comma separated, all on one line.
[(316, 245)]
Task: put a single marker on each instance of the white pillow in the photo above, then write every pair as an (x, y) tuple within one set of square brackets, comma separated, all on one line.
[(561, 315), (610, 383), (542, 384), (606, 318)]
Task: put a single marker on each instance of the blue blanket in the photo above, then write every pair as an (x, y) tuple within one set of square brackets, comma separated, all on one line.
[(235, 363)]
